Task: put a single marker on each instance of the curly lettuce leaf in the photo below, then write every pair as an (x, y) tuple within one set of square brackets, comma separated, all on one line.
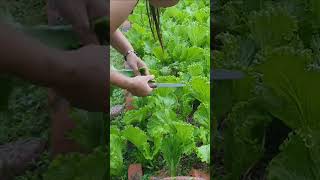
[(136, 116), (116, 154), (140, 139), (244, 135), (76, 166), (203, 152), (297, 160), (201, 89)]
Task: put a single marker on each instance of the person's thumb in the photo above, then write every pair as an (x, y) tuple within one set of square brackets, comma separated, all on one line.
[(149, 77), (151, 84)]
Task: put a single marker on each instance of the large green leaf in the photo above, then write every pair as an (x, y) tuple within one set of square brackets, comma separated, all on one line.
[(292, 93), (136, 116), (116, 154), (198, 34), (297, 160), (76, 166), (201, 89), (139, 138), (185, 133), (272, 27), (292, 96), (172, 150), (244, 138), (203, 152), (202, 116)]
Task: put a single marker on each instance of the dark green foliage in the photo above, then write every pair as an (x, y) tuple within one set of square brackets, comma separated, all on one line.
[(78, 167), (6, 88), (277, 44), (244, 138)]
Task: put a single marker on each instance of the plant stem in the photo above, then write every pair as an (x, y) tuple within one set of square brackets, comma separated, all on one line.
[(173, 169)]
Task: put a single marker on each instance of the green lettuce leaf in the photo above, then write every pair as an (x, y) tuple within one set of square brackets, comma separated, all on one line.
[(76, 166), (139, 138), (203, 152), (292, 91), (297, 160), (116, 154)]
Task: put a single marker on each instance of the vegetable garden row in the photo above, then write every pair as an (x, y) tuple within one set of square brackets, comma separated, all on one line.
[(168, 131), (268, 121)]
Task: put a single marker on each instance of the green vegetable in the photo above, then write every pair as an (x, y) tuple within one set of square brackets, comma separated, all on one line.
[(276, 44), (158, 127), (116, 147), (172, 150), (78, 166), (6, 87)]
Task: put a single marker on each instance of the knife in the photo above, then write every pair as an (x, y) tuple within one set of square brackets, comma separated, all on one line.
[(165, 85), (154, 84), (222, 74), (63, 36)]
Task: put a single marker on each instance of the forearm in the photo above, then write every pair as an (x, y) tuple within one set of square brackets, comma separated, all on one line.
[(25, 57), (120, 42), (119, 12), (119, 80)]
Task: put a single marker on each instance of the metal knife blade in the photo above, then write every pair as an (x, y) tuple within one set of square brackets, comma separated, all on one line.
[(222, 74), (166, 85)]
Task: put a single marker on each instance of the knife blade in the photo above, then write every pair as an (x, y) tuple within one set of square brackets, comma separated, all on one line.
[(63, 36), (166, 85), (222, 74)]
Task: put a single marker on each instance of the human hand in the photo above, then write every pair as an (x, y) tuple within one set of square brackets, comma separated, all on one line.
[(79, 13), (139, 85), (83, 81), (135, 63)]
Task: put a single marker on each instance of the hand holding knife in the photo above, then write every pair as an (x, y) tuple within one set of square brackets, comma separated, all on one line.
[(154, 84)]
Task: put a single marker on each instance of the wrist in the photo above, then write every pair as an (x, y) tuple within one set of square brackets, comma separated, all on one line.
[(120, 80), (129, 84), (130, 53)]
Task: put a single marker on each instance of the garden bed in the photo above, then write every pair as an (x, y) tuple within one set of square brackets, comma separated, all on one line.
[(167, 132)]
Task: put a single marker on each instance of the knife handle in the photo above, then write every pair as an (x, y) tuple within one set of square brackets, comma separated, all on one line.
[(151, 83)]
